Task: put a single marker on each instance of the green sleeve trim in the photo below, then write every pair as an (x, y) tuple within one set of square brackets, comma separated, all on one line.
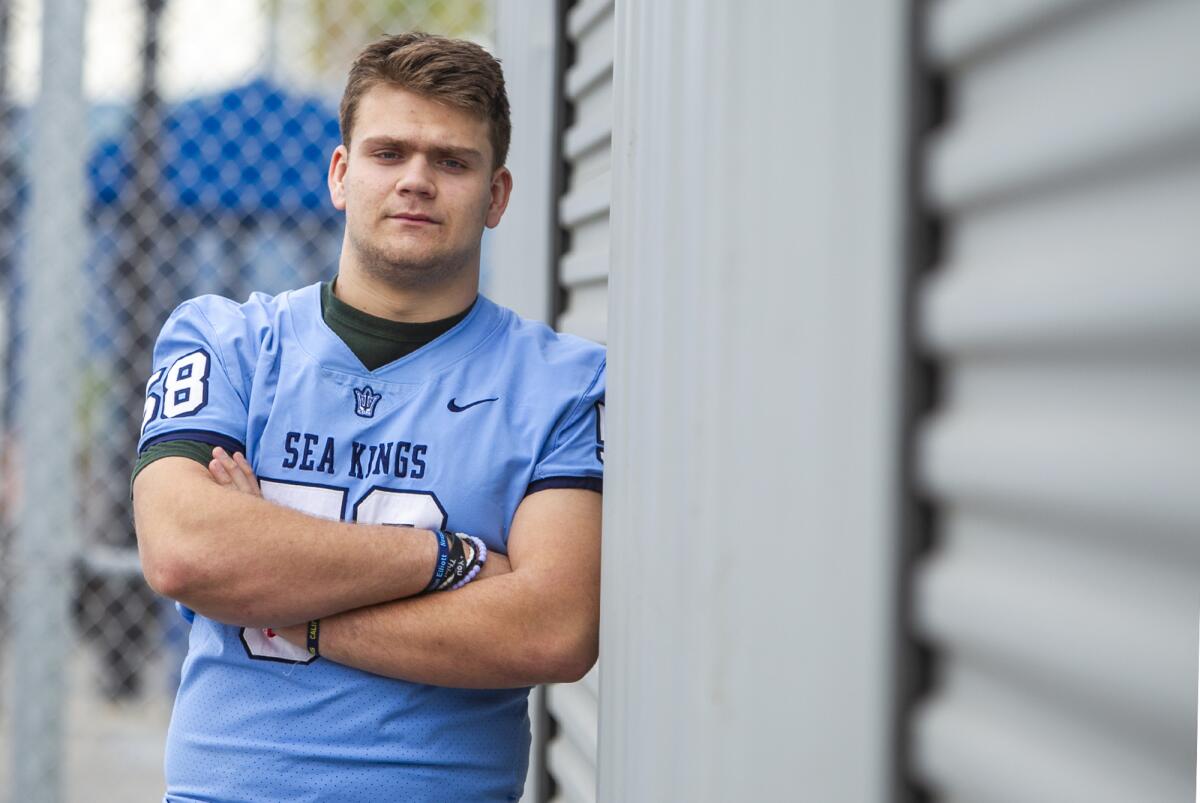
[(200, 452)]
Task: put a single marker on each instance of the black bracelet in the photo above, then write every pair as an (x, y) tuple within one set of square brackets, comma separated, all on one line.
[(443, 560), (314, 631)]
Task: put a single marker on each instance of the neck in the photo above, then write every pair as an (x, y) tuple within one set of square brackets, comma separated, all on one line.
[(406, 304)]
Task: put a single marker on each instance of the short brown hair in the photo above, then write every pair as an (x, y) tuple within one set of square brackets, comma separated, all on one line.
[(456, 72)]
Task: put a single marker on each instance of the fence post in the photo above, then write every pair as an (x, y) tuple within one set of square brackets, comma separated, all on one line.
[(47, 410)]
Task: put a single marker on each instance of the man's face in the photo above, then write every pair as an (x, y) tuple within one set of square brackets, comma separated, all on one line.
[(417, 186)]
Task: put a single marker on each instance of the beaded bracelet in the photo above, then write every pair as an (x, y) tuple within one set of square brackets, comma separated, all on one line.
[(480, 557)]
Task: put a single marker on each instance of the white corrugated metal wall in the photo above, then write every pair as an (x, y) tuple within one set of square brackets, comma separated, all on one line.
[(1059, 595)]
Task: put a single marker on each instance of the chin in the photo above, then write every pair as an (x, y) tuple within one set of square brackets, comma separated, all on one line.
[(415, 260), (410, 262), (414, 269)]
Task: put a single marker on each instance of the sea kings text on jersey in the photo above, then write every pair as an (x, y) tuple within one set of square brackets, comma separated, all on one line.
[(306, 451)]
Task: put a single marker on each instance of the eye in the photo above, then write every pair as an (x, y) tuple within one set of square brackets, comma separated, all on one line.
[(387, 155), (454, 164)]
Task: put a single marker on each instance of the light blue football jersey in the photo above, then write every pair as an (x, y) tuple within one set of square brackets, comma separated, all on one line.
[(452, 436)]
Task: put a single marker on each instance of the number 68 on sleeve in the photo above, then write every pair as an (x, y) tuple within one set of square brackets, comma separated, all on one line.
[(183, 391)]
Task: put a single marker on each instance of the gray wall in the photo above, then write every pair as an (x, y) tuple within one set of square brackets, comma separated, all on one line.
[(752, 405), (522, 247)]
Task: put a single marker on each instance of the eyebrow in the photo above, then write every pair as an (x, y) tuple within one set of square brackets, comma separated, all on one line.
[(455, 151)]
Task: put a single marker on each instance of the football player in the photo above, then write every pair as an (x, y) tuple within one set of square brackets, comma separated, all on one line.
[(377, 497)]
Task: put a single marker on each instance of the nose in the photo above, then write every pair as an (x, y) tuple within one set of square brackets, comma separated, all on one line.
[(416, 178)]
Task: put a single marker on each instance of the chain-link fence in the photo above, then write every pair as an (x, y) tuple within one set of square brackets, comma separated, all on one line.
[(150, 150)]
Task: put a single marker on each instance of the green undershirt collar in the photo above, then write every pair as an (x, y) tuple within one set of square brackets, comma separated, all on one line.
[(379, 341)]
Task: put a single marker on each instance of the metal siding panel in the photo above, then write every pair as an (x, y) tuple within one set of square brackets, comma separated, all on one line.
[(583, 209), (573, 706), (591, 681), (573, 772), (1090, 305), (1101, 631), (1058, 597), (971, 29), (589, 236), (1072, 461), (1049, 386), (572, 752), (583, 273), (594, 39), (1108, 266), (1119, 85), (589, 135), (587, 312), (587, 75), (586, 202), (591, 163), (586, 14), (583, 266), (985, 742), (1139, 216)]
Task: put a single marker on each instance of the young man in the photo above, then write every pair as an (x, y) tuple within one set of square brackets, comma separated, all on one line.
[(332, 656)]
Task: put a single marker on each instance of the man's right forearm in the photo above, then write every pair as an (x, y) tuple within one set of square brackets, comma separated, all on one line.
[(242, 560)]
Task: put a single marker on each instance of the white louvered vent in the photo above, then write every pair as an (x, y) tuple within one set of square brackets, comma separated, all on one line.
[(587, 146), (583, 274)]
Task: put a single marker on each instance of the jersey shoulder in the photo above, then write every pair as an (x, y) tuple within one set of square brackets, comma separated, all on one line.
[(227, 319), (237, 332), (542, 352), (559, 382)]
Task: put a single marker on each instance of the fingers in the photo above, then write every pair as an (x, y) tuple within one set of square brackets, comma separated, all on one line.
[(247, 472), (219, 472), (233, 471)]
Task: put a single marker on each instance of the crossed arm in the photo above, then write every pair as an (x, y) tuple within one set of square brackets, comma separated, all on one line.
[(236, 558)]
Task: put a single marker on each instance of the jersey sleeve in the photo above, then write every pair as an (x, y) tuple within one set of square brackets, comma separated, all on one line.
[(191, 394), (574, 455), (193, 450)]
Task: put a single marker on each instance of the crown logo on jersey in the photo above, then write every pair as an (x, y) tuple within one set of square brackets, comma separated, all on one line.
[(365, 400)]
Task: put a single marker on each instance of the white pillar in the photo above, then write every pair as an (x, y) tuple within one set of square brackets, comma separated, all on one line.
[(753, 402), (521, 251)]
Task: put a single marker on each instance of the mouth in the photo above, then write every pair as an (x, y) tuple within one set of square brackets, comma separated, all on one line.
[(414, 218)]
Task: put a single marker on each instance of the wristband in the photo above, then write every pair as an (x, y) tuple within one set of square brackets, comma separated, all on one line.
[(442, 563), (313, 632)]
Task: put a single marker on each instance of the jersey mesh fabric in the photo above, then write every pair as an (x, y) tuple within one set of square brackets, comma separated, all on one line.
[(449, 436)]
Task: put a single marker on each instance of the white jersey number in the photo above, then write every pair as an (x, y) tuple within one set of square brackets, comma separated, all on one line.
[(378, 506), (184, 388), (150, 410)]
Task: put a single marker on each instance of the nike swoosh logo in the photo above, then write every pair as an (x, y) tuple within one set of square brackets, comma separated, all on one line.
[(454, 408)]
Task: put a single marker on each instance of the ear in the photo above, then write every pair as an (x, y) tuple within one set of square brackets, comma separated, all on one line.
[(337, 177), (501, 191)]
